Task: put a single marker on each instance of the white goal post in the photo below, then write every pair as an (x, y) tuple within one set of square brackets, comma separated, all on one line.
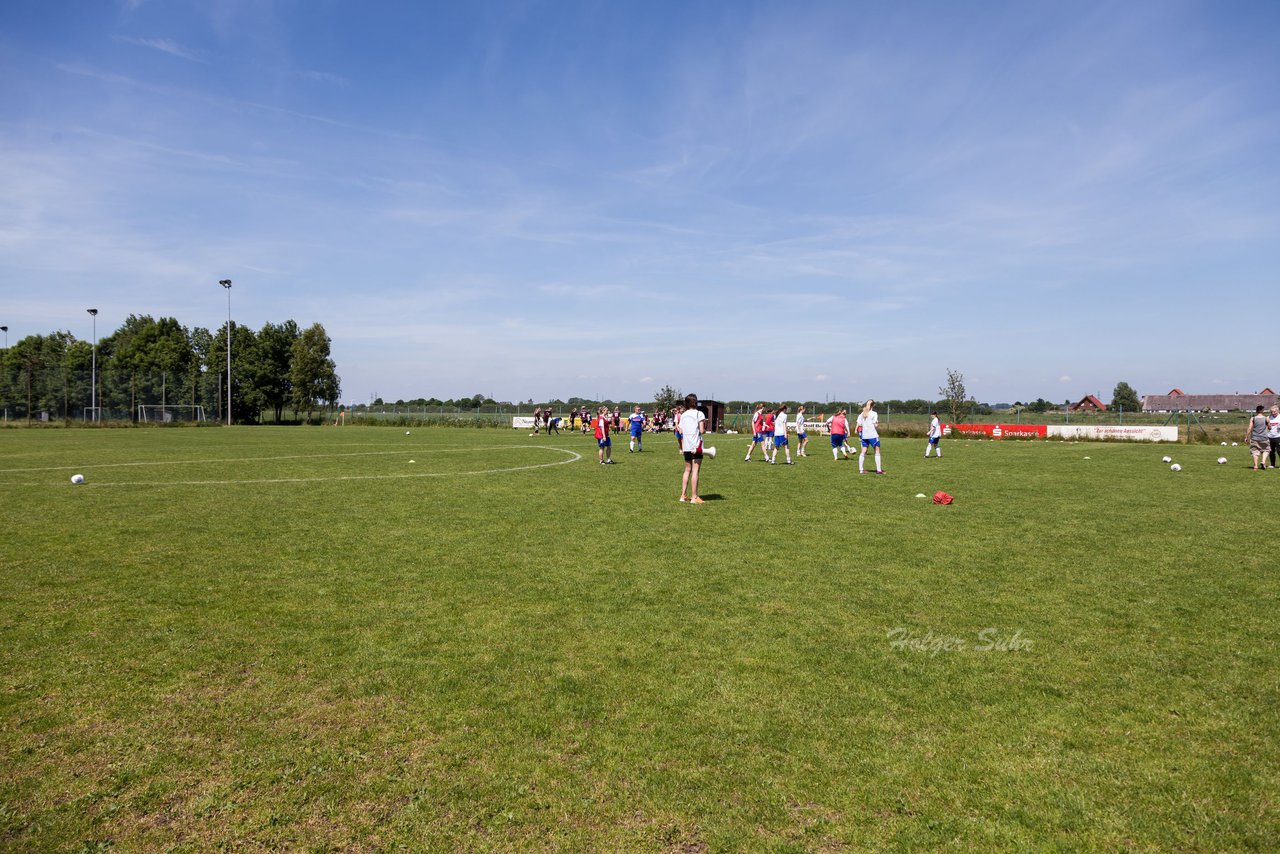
[(170, 413)]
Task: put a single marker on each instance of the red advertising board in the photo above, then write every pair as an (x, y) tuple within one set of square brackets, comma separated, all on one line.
[(998, 431)]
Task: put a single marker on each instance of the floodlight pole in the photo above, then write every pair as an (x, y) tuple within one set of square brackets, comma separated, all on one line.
[(226, 283), (93, 381)]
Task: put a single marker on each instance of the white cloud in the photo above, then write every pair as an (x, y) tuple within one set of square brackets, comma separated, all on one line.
[(166, 46), (1064, 379)]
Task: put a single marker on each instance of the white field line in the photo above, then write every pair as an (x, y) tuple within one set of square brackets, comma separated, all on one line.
[(574, 456), (262, 459)]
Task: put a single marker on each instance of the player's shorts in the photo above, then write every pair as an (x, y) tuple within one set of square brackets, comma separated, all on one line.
[(802, 436), (871, 443), (606, 442), (933, 440), (690, 456), (757, 437), (779, 441), (1260, 446), (837, 440), (635, 432)]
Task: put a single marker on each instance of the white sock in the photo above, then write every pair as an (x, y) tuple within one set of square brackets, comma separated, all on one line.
[(861, 459), (878, 466), (928, 446)]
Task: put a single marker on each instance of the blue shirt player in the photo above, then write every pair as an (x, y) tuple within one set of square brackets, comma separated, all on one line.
[(636, 422)]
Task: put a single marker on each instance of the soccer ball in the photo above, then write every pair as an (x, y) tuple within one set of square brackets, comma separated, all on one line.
[(1224, 444), (1166, 459), (77, 479), (1175, 467), (1222, 461), (406, 432)]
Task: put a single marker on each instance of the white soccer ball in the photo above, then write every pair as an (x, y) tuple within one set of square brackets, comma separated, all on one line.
[(77, 479), (1233, 444), (406, 432), (1166, 459), (1222, 461), (1175, 467), (1224, 444)]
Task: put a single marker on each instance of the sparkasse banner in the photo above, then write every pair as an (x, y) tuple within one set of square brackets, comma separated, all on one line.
[(998, 431)]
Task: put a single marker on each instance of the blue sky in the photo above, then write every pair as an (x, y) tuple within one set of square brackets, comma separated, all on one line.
[(746, 200)]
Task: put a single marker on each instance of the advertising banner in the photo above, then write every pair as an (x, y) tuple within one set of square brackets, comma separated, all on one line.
[(997, 431), (1132, 433), (522, 422)]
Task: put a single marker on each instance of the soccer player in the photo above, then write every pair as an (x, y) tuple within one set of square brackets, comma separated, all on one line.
[(676, 412), (636, 422), (868, 421), (692, 424), (768, 434), (935, 436), (757, 432), (603, 442), (839, 427), (802, 438), (780, 434)]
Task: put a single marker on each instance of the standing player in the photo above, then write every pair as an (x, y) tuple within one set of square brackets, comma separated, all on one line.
[(603, 442), (802, 438), (935, 437), (691, 425), (635, 422), (780, 434), (757, 432), (537, 420), (868, 421), (676, 412), (839, 427), (768, 434)]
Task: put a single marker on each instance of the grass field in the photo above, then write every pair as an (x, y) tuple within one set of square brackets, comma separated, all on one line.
[(265, 638)]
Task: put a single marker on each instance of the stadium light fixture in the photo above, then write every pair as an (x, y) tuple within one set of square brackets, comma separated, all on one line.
[(226, 283), (93, 380)]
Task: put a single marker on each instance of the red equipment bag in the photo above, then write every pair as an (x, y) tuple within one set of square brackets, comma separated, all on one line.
[(941, 497)]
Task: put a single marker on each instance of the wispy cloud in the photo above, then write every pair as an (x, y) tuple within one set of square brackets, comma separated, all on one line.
[(165, 46)]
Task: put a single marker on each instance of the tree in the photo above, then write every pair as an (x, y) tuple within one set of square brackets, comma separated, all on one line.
[(313, 374), (955, 396), (1125, 398), (667, 398), (271, 368)]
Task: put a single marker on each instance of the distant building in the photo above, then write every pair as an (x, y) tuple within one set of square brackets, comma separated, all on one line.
[(1088, 403), (1178, 401)]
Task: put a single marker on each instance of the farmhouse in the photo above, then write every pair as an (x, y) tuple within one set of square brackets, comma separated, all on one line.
[(1088, 403), (1178, 401)]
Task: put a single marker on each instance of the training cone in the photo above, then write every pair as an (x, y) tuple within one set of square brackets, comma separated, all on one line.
[(709, 452)]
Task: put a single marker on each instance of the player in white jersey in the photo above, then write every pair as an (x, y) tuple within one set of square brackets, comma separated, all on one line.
[(780, 434), (935, 437), (802, 437), (693, 422), (868, 421)]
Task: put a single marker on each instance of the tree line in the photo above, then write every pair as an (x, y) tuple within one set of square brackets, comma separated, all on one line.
[(162, 362)]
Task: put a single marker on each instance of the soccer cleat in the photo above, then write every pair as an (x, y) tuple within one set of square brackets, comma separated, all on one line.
[(696, 500)]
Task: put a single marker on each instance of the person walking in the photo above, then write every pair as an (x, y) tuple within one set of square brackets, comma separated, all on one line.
[(935, 437), (839, 427), (802, 438), (1256, 436)]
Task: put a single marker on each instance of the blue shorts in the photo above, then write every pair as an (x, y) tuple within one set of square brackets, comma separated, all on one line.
[(605, 442), (837, 440), (933, 440), (871, 443), (802, 436), (758, 437), (779, 440), (635, 432)]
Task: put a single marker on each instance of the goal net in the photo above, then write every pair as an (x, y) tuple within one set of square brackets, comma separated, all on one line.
[(94, 414), (170, 414)]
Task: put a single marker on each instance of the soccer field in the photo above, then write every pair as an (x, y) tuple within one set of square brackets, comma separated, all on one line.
[(320, 638)]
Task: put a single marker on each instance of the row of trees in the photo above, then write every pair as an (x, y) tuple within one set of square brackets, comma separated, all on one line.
[(149, 361)]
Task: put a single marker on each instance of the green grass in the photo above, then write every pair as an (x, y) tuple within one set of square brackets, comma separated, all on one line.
[(255, 639)]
